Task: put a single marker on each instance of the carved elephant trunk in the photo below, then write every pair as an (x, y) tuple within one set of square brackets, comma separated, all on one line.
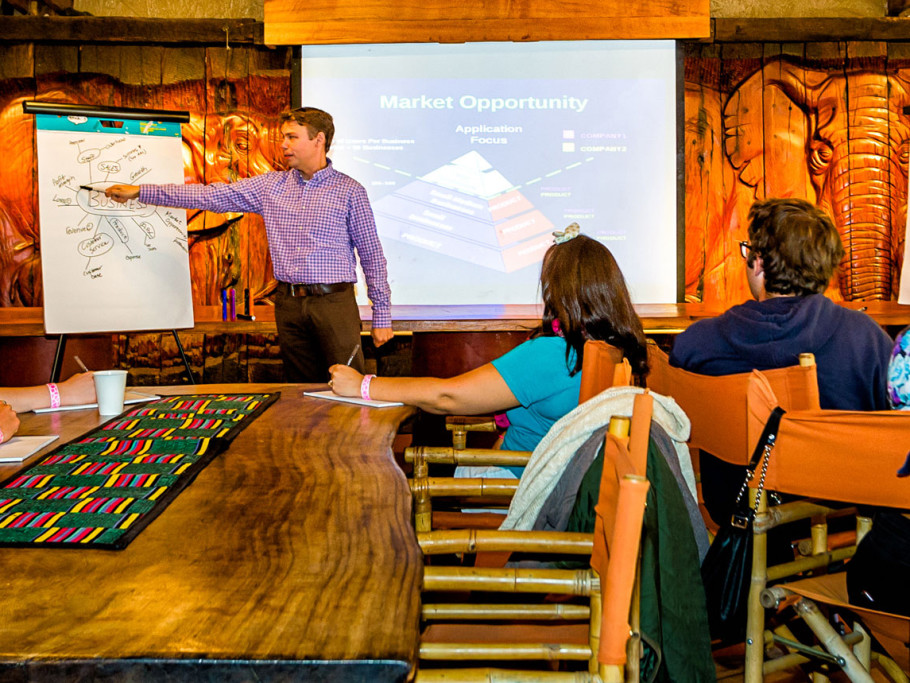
[(859, 198), (856, 138)]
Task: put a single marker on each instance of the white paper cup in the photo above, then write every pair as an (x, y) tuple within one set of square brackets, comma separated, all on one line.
[(110, 386)]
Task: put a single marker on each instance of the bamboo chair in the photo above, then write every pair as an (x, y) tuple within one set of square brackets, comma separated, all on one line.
[(869, 448), (602, 367), (597, 630), (717, 407)]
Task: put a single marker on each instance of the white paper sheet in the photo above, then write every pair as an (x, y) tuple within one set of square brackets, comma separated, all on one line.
[(129, 397), (19, 448), (332, 396)]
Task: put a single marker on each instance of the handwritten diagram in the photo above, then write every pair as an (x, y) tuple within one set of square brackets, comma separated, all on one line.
[(110, 266)]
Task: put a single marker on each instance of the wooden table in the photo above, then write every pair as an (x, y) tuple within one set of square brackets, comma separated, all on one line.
[(290, 557)]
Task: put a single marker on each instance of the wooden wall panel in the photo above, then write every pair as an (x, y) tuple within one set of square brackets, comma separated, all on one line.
[(234, 97), (703, 158), (822, 121), (300, 22)]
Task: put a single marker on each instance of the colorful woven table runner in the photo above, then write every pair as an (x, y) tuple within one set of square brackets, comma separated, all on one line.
[(101, 489)]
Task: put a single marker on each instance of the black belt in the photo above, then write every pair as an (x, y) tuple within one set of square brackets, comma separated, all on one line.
[(317, 289)]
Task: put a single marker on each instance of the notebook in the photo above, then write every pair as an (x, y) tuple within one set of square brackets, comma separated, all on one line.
[(19, 448), (332, 396), (130, 397)]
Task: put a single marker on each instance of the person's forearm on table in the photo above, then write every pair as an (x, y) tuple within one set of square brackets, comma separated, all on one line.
[(76, 390), (476, 392)]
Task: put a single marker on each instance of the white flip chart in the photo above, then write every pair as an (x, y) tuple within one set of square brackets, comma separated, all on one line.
[(110, 267)]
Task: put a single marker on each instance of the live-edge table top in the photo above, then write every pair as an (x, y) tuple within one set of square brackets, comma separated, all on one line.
[(291, 556)]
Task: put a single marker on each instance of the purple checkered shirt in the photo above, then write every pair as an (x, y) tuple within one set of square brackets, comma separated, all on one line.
[(313, 226)]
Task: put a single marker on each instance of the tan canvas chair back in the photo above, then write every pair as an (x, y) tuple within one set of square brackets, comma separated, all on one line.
[(843, 455), (601, 368), (716, 406), (617, 531)]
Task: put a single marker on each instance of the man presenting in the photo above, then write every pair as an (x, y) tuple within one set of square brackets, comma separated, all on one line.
[(315, 217)]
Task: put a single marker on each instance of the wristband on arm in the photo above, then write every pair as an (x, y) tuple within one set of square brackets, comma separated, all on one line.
[(55, 395), (365, 387)]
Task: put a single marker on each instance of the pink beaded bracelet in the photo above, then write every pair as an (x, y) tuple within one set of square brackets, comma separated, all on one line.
[(365, 387), (55, 395), (2, 437)]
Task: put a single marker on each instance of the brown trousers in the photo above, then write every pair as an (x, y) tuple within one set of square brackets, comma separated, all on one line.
[(316, 332)]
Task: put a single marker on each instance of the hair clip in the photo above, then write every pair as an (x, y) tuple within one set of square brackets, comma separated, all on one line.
[(571, 231)]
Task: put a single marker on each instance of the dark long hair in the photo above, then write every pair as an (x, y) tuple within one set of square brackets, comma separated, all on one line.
[(584, 289)]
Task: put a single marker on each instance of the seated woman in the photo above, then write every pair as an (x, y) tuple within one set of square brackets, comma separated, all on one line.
[(585, 297), (877, 574), (78, 389)]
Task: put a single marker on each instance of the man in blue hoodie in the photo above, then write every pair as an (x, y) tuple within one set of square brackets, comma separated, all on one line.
[(791, 255)]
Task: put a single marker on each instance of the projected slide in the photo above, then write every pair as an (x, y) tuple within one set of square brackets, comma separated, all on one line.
[(474, 154)]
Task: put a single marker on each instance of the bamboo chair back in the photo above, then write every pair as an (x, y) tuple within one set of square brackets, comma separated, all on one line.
[(860, 454), (614, 555), (716, 406)]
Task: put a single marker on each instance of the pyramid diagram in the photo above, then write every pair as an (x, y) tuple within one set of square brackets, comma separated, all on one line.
[(466, 209)]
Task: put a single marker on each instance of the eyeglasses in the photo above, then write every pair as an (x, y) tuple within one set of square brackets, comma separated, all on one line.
[(745, 249)]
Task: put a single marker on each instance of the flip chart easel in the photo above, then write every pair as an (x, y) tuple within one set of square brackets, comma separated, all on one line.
[(61, 350), (110, 267)]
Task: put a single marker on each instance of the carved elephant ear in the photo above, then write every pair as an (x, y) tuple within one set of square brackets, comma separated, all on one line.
[(765, 124), (744, 142)]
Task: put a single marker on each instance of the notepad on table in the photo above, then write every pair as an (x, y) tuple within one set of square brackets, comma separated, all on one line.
[(129, 397), (19, 448), (332, 396)]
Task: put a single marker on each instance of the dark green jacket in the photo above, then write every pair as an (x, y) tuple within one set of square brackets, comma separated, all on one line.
[(674, 622)]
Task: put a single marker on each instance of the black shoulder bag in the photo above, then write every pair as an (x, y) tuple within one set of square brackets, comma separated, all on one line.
[(727, 568)]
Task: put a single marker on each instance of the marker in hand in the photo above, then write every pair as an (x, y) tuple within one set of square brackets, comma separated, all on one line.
[(353, 353), (81, 364), (86, 187)]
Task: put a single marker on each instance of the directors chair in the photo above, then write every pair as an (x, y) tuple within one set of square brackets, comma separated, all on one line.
[(859, 454)]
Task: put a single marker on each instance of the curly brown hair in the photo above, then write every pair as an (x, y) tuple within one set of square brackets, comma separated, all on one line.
[(315, 120), (798, 243)]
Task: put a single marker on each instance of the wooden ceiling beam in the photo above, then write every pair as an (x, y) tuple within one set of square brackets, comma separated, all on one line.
[(811, 29), (31, 29), (68, 29)]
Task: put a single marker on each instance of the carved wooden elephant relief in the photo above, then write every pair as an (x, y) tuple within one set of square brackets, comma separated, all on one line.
[(839, 139), (229, 248)]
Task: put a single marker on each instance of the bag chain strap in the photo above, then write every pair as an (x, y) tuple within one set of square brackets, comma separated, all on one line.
[(766, 455)]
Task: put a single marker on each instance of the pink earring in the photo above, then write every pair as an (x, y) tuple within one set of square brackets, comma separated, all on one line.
[(557, 330)]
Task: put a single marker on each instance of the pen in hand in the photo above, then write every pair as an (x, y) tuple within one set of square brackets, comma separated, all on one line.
[(353, 353), (81, 364)]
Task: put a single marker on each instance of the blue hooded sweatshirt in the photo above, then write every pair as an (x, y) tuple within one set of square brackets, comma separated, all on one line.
[(851, 350), (851, 356)]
